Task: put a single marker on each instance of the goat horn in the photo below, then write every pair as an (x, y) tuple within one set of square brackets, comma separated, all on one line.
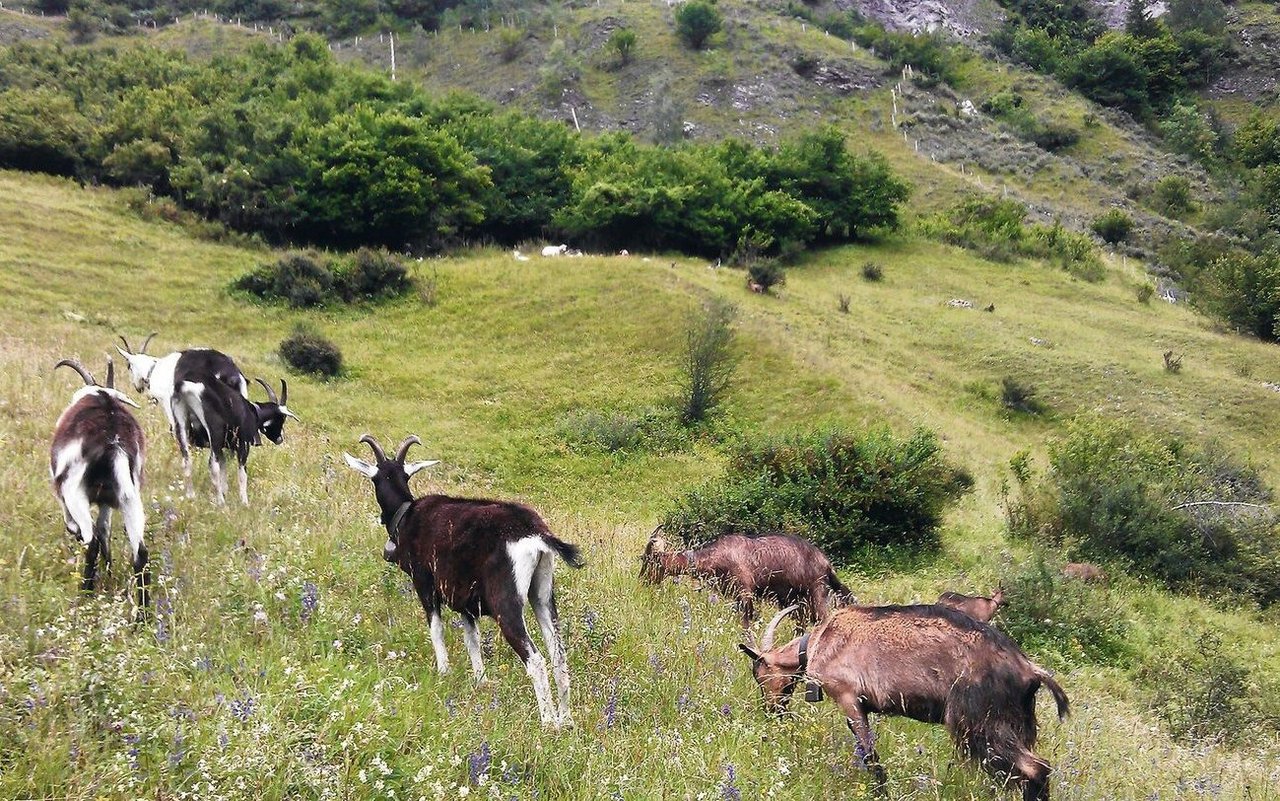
[(147, 341), (766, 639), (410, 440), (284, 392), (79, 368), (126, 344), (271, 393), (111, 373), (377, 449)]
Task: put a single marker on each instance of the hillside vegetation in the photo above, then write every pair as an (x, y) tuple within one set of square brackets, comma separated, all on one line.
[(240, 686), (979, 237)]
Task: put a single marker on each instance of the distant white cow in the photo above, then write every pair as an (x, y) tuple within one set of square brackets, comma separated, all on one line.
[(555, 250)]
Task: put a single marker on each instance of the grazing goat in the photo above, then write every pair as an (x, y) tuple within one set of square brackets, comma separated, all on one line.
[(926, 662), (978, 607), (197, 388), (209, 413), (555, 250), (96, 458), (480, 557), (780, 567)]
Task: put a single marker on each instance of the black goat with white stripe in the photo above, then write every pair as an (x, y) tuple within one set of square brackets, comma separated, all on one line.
[(480, 557)]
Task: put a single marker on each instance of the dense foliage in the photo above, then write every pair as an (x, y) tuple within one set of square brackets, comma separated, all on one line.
[(308, 351), (851, 493), (1196, 519), (308, 279), (286, 143)]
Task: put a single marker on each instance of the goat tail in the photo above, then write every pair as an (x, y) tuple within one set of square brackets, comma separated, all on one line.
[(569, 552), (841, 591), (1059, 695)]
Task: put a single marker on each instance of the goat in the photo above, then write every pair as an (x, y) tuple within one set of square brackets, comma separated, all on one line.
[(480, 557), (96, 457), (978, 607), (184, 383), (555, 250), (1085, 571), (780, 567), (926, 662), (210, 413)]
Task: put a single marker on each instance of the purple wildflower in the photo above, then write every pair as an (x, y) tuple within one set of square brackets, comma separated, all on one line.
[(175, 756), (726, 711), (451, 706), (729, 790), (131, 740), (478, 763), (682, 701), (242, 709), (655, 663), (589, 619), (164, 614), (310, 600), (686, 616), (223, 739), (611, 708)]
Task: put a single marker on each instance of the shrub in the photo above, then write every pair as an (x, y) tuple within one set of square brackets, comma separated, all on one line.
[(307, 351), (1019, 397), (1066, 622), (622, 42), (591, 429), (848, 492), (696, 21), (1171, 195), (766, 274), (1113, 226), (1145, 291), (305, 279), (1201, 692), (710, 359), (1116, 493), (510, 44), (872, 271), (843, 301)]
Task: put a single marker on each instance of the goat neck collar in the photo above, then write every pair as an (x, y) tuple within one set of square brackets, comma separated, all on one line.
[(393, 528), (812, 689)]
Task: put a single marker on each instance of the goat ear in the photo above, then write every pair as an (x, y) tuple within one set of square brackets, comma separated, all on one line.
[(413, 467), (749, 651), (360, 466)]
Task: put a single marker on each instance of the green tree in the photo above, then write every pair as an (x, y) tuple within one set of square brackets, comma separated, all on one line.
[(1209, 16), (696, 21), (40, 129), (1257, 142), (1113, 226), (1138, 21), (1187, 131), (383, 177), (1110, 73)]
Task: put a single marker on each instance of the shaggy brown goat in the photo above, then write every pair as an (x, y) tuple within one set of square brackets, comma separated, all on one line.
[(979, 608), (925, 662), (780, 567), (1084, 571)]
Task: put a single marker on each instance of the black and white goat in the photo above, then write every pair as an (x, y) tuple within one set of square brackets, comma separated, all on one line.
[(205, 398), (96, 458), (480, 557)]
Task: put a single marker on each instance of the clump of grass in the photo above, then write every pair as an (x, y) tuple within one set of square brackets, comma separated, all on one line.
[(1018, 396), (843, 301), (872, 271), (308, 351)]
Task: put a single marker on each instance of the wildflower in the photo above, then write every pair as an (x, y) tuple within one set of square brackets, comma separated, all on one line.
[(450, 706), (259, 615), (164, 612), (729, 790), (478, 763), (589, 619), (726, 711), (682, 701), (310, 600), (175, 756), (242, 709), (611, 708)]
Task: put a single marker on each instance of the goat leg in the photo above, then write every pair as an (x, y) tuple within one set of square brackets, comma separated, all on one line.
[(856, 719), (91, 565)]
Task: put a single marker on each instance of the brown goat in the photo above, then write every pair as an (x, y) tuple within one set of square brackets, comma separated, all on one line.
[(1084, 571), (978, 607), (779, 567), (926, 662)]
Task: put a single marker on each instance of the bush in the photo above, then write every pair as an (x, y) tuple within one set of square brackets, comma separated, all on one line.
[(510, 44), (766, 274), (872, 271), (1171, 195), (696, 21), (1202, 693), (1112, 226), (619, 432), (622, 42), (710, 359), (1019, 397), (1119, 494), (1065, 622), (851, 493), (306, 351), (306, 279)]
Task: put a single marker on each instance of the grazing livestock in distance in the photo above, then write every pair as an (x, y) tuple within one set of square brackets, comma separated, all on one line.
[(555, 250), (1085, 571), (926, 662), (779, 567), (479, 557), (978, 607), (96, 458)]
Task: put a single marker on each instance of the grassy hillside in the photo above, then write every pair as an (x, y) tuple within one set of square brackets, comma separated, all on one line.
[(240, 689)]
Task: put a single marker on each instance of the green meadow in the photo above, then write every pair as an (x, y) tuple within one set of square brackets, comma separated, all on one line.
[(287, 660)]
